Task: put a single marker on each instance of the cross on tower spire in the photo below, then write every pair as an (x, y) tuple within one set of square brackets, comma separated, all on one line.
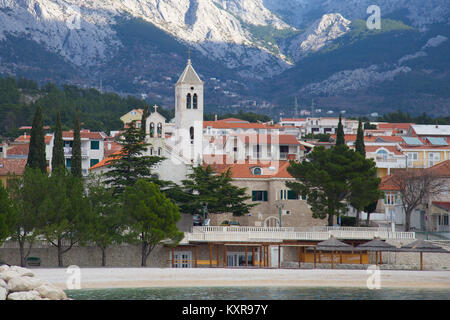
[(189, 55)]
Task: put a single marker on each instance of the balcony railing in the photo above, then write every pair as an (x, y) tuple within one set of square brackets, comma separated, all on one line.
[(68, 151), (258, 234)]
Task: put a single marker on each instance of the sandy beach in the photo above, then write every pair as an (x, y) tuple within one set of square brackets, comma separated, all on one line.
[(150, 277)]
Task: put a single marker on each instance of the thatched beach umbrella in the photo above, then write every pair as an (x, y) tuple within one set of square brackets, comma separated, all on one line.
[(332, 244), (422, 246), (378, 246)]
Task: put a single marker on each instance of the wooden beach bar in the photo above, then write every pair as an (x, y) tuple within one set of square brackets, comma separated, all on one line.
[(260, 247)]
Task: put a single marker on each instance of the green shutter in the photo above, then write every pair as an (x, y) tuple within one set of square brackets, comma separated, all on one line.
[(264, 195), (254, 193), (95, 145)]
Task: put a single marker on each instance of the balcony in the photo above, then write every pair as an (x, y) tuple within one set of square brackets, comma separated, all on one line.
[(287, 156), (389, 162), (68, 152)]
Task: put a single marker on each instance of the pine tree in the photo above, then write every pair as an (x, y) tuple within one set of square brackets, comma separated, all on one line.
[(359, 144), (131, 164), (205, 186), (340, 137), (36, 154), (76, 148), (58, 145)]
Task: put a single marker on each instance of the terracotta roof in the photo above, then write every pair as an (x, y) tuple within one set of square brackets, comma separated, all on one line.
[(273, 169), (27, 138), (442, 205), (105, 161), (394, 125), (115, 146), (86, 135), (19, 150), (269, 139), (387, 184), (441, 169), (16, 166)]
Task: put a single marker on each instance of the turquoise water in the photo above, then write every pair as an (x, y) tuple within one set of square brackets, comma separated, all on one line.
[(258, 293)]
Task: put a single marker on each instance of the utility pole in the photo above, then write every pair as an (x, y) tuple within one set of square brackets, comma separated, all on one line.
[(280, 205)]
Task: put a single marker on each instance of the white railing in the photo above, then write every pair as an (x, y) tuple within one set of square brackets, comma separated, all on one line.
[(280, 234), (282, 229)]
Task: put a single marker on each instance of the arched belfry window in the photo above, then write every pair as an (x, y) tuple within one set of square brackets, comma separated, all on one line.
[(191, 133), (159, 130), (188, 101), (195, 101), (152, 130)]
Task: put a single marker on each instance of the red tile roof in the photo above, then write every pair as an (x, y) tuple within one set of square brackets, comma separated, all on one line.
[(26, 138), (404, 126), (441, 169), (13, 166), (272, 169), (115, 146), (442, 205), (86, 135), (234, 123), (105, 161), (19, 150)]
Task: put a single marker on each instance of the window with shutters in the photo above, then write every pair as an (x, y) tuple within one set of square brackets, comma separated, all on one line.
[(259, 195)]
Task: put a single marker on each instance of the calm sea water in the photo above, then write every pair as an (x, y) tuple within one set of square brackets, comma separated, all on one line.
[(258, 293)]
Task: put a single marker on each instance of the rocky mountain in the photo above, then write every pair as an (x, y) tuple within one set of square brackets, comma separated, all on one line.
[(251, 53)]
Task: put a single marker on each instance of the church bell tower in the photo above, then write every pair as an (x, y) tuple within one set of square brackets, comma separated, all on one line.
[(189, 115)]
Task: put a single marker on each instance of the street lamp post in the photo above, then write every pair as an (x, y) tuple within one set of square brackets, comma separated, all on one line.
[(280, 205)]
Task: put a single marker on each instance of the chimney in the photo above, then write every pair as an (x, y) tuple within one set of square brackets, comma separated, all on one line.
[(215, 117)]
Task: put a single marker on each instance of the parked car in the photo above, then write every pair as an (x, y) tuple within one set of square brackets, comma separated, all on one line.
[(228, 223), (197, 220)]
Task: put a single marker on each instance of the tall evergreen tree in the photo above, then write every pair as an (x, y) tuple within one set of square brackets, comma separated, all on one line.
[(36, 154), (340, 136), (331, 177), (58, 145), (131, 164), (204, 186), (76, 148), (145, 115), (150, 217), (359, 143)]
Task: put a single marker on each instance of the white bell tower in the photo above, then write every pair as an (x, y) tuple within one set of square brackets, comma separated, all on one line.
[(189, 115)]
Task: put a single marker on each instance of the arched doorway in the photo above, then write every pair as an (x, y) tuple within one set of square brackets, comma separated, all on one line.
[(272, 222)]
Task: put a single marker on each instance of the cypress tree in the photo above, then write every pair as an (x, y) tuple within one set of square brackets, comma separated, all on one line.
[(340, 137), (58, 146), (76, 148), (145, 115), (359, 143), (36, 154)]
